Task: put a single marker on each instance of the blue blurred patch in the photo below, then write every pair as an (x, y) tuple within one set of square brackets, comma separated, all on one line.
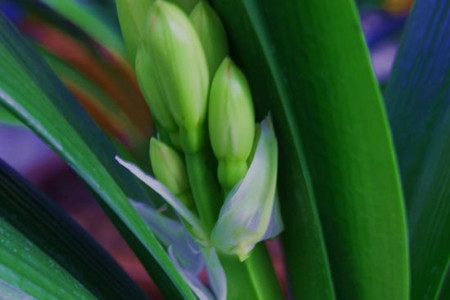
[(12, 10), (379, 25)]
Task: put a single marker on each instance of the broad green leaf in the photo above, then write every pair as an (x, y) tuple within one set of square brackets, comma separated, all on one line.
[(41, 236), (30, 90), (307, 263), (417, 98), (324, 83)]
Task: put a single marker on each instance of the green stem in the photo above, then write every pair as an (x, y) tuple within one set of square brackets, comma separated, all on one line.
[(239, 283), (204, 186), (262, 274), (208, 199)]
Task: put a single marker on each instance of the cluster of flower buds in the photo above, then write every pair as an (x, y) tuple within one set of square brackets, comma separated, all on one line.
[(201, 100)]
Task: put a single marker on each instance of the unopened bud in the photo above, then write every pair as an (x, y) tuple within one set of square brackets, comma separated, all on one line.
[(212, 34), (149, 83), (169, 168), (132, 15), (231, 121), (176, 57)]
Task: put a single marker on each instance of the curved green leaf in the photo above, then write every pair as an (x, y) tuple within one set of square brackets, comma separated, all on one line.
[(417, 98), (30, 90), (327, 89), (66, 248)]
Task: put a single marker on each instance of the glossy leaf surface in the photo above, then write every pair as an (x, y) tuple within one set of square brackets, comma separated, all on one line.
[(327, 93)]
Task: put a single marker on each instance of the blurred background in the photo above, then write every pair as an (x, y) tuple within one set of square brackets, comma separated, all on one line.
[(80, 39)]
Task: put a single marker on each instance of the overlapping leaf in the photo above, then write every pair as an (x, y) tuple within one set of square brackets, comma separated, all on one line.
[(33, 93), (46, 254)]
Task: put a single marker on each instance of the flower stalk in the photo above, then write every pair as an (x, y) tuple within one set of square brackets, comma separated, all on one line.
[(214, 126), (232, 134)]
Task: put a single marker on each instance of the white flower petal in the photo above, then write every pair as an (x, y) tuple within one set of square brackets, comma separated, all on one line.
[(173, 234), (250, 207), (216, 273), (216, 276), (170, 198), (276, 225), (199, 289)]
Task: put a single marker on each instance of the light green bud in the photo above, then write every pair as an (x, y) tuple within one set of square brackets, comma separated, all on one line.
[(186, 5), (231, 121), (132, 16), (149, 83), (176, 56), (169, 168), (212, 34)]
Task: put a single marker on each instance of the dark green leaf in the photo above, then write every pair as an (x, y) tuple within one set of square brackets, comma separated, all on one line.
[(30, 90), (319, 84), (68, 246), (445, 289), (28, 272), (417, 98)]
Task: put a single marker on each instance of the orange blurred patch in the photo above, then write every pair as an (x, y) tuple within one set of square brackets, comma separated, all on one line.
[(398, 6), (114, 125), (106, 69)]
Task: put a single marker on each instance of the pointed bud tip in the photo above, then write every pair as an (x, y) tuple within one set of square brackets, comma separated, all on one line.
[(231, 117), (176, 61), (212, 34)]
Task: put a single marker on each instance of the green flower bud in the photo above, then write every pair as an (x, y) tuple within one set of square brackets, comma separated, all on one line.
[(169, 169), (212, 34), (132, 16), (179, 70), (231, 121), (186, 5), (148, 82)]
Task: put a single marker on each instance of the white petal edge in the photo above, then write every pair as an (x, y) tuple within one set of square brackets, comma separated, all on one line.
[(216, 273), (199, 289)]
